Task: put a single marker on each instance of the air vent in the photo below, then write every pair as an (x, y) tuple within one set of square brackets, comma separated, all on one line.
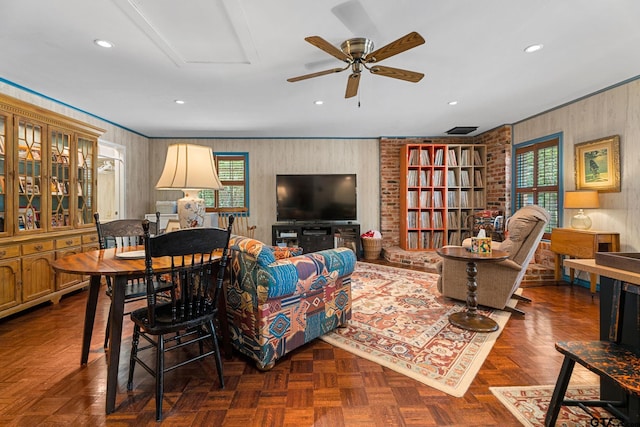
[(461, 130)]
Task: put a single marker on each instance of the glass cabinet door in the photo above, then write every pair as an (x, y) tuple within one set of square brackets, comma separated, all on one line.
[(85, 161), (60, 181), (29, 176), (3, 175)]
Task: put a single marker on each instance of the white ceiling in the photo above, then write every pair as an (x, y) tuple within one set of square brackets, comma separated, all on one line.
[(229, 61)]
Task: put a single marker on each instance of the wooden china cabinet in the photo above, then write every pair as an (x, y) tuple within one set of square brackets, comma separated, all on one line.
[(47, 199)]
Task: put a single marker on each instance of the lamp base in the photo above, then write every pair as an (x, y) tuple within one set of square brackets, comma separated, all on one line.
[(191, 210), (580, 221)]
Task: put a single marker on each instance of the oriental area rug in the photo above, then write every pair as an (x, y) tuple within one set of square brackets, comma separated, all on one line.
[(529, 405), (400, 320)]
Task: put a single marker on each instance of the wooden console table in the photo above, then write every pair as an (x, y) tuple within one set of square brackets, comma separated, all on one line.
[(581, 244)]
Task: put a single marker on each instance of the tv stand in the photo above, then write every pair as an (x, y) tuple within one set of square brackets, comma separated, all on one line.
[(314, 237)]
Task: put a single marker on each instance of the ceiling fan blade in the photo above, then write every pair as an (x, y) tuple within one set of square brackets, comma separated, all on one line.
[(397, 73), (354, 16), (352, 85), (407, 42), (318, 74), (322, 44)]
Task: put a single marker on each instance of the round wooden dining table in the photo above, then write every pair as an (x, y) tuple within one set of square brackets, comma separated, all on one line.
[(121, 264)]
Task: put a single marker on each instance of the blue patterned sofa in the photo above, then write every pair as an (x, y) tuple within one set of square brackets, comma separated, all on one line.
[(278, 300)]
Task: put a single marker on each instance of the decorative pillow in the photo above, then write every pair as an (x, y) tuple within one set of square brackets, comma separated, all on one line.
[(262, 253)]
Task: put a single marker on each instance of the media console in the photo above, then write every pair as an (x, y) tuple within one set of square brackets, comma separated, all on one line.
[(315, 237)]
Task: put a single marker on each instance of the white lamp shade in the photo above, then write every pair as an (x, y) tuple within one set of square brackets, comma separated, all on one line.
[(189, 167)]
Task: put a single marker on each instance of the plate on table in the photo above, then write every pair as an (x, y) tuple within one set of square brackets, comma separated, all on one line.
[(131, 254)]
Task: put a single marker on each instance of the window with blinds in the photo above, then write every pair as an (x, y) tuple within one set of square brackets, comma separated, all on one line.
[(537, 177), (233, 174)]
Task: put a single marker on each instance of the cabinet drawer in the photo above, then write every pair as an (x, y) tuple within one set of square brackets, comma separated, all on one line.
[(37, 247), (9, 251), (89, 238), (68, 242)]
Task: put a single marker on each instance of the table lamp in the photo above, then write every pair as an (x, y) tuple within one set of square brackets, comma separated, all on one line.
[(190, 168), (581, 200)]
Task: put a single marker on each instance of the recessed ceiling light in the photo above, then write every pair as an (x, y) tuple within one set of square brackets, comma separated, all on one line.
[(318, 102), (453, 102), (179, 101), (103, 43), (533, 48)]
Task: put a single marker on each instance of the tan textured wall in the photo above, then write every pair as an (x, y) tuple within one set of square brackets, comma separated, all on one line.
[(269, 157), (612, 112)]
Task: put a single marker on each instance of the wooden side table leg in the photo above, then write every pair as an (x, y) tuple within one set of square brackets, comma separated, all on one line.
[(558, 268), (572, 274), (592, 282), (470, 319)]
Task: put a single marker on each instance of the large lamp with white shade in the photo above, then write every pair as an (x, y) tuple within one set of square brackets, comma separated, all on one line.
[(190, 168)]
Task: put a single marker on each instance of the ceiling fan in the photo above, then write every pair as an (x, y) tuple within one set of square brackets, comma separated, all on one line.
[(358, 53)]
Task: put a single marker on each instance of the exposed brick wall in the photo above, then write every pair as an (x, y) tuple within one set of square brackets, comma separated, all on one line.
[(498, 184), (498, 142)]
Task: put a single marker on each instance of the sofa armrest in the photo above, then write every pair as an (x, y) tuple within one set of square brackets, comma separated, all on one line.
[(286, 276)]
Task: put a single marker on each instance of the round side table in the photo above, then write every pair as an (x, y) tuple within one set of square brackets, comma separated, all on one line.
[(470, 319)]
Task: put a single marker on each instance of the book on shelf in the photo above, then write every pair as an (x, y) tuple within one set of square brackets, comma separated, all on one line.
[(412, 199), (478, 179), (412, 178), (425, 219), (452, 158), (425, 240), (437, 199), (439, 157), (424, 158), (451, 178), (437, 178), (412, 219), (452, 199), (464, 178), (438, 239), (454, 238), (477, 160), (425, 199), (412, 240), (452, 219), (465, 158), (414, 156), (464, 199), (437, 219), (425, 179)]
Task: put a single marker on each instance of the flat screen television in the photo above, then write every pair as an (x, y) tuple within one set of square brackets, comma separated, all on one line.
[(315, 198)]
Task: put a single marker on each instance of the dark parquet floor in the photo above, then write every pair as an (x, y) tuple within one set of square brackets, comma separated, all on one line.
[(42, 382)]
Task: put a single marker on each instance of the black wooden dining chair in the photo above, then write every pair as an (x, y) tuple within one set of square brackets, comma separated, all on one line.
[(122, 233), (199, 258)]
